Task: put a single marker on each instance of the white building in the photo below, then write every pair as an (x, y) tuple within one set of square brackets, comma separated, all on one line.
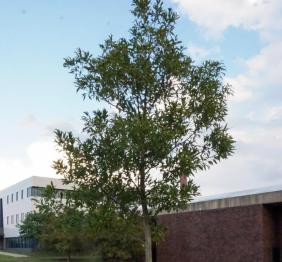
[(15, 202)]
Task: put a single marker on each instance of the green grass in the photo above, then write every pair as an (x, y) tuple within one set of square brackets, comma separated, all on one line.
[(4, 258)]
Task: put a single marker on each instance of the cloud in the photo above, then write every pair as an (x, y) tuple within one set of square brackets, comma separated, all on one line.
[(262, 76), (215, 16), (255, 164), (260, 137), (37, 161), (266, 67), (266, 116), (248, 170), (274, 113), (38, 151), (40, 156), (30, 121), (199, 53), (242, 88), (33, 152)]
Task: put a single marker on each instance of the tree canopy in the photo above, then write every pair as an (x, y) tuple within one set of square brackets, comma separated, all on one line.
[(163, 119)]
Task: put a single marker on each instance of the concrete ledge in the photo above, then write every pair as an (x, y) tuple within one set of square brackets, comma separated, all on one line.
[(263, 198), (239, 201)]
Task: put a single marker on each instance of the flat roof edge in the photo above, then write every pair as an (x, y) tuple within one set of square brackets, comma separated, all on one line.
[(30, 179), (236, 201)]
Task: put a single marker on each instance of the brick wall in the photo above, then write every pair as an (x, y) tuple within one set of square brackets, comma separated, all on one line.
[(221, 235)]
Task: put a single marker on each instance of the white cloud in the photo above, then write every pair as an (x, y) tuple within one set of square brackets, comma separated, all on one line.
[(274, 113), (255, 164), (262, 16), (267, 65), (260, 137), (38, 151), (198, 52), (266, 115), (30, 121), (265, 17), (241, 172), (215, 16), (242, 88), (37, 160), (263, 72), (41, 155)]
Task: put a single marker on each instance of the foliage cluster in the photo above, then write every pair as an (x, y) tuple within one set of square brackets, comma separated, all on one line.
[(58, 225)]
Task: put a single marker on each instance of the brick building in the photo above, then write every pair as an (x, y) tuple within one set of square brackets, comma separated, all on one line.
[(244, 226)]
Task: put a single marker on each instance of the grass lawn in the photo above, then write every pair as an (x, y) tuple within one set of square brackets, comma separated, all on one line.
[(4, 258)]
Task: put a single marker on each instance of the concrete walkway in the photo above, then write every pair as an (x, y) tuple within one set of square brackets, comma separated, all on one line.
[(12, 254)]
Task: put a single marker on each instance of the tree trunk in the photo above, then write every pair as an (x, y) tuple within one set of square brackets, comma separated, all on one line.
[(146, 215), (146, 224), (148, 238)]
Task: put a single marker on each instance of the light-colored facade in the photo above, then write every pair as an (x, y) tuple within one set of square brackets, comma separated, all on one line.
[(17, 201)]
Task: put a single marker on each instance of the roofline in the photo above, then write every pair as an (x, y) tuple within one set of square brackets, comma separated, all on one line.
[(26, 179), (260, 196), (240, 193)]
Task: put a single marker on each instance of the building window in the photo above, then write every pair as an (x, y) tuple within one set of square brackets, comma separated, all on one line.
[(37, 192), (60, 193), (34, 191), (28, 192), (22, 194), (1, 214), (20, 242), (12, 219), (17, 196), (17, 218), (8, 199), (7, 220), (12, 198), (22, 217)]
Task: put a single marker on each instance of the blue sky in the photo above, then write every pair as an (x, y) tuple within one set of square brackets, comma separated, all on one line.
[(37, 94)]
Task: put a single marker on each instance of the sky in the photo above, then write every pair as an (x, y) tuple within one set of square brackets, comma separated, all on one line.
[(37, 94)]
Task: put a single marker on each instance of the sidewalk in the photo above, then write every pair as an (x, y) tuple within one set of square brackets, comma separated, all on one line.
[(12, 254)]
